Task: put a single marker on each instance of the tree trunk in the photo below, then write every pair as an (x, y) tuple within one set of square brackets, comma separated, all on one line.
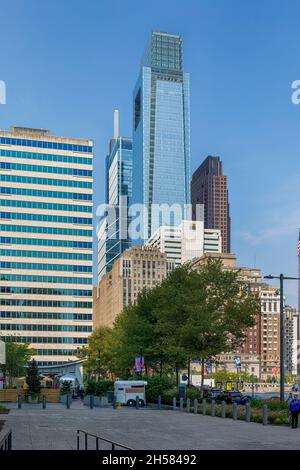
[(189, 372), (202, 377), (161, 369), (177, 376)]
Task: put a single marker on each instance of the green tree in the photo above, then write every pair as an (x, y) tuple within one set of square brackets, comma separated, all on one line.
[(100, 354), (33, 378), (192, 314), (17, 356)]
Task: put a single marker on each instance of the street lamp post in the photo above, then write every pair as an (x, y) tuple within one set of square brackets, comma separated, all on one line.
[(281, 278)]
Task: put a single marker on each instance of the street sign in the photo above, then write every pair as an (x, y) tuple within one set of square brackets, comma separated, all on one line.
[(184, 377), (181, 391)]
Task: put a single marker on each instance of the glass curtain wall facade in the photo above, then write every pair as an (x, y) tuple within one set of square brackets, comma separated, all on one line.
[(113, 236), (161, 131), (46, 242)]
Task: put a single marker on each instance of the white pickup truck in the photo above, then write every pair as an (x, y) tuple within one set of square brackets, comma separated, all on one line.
[(126, 392)]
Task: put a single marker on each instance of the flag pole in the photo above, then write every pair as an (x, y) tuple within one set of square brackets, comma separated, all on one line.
[(298, 322)]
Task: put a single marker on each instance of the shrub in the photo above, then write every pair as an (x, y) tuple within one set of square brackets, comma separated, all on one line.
[(272, 405), (33, 379), (167, 396), (103, 386), (193, 392), (157, 386), (65, 388), (100, 388)]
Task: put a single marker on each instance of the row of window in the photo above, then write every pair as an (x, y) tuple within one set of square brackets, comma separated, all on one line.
[(45, 169), (47, 157), (47, 315), (50, 340), (46, 254), (45, 242), (41, 193), (44, 291), (55, 352), (28, 327), (45, 303), (51, 230), (45, 181), (46, 145), (52, 279), (46, 218), (45, 205), (45, 267)]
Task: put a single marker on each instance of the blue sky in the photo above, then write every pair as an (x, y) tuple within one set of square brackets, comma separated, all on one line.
[(68, 64)]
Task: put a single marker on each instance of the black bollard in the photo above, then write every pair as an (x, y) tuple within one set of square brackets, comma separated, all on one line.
[(137, 402), (265, 415), (213, 408), (195, 406), (19, 401), (159, 402), (115, 402), (204, 406), (223, 409), (181, 404), (234, 410), (44, 402), (174, 403), (68, 401), (188, 405), (91, 401), (248, 413)]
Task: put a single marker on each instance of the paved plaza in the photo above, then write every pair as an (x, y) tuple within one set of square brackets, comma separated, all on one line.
[(55, 429)]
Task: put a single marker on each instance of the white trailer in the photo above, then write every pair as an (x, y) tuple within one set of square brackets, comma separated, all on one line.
[(126, 392)]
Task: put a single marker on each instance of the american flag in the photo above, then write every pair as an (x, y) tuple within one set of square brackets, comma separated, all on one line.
[(299, 244)]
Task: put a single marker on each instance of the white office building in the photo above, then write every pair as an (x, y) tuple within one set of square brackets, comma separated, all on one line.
[(185, 242)]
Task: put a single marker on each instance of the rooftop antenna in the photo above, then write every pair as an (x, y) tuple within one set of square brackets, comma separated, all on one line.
[(116, 124)]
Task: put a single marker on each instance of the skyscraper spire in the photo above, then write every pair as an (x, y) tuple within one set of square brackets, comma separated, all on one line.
[(116, 124)]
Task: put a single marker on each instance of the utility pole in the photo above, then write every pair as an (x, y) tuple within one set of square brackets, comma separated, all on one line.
[(281, 278)]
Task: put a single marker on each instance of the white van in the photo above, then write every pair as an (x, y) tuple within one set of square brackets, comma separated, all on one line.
[(126, 392)]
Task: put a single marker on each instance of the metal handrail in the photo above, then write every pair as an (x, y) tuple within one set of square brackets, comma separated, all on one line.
[(5, 443), (98, 438)]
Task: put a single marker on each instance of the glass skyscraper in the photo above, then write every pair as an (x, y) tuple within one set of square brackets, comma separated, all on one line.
[(113, 236), (46, 233), (161, 133)]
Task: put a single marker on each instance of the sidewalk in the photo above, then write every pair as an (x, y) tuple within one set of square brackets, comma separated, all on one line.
[(55, 428)]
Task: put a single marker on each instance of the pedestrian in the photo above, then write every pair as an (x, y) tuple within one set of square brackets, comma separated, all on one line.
[(290, 398), (294, 410), (81, 392)]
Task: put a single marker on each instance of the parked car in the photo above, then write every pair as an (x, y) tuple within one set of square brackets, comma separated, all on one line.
[(213, 393), (234, 396)]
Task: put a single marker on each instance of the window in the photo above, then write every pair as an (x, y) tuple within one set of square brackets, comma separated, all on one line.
[(137, 109)]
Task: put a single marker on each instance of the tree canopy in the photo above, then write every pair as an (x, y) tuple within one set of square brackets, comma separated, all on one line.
[(191, 314), (17, 357)]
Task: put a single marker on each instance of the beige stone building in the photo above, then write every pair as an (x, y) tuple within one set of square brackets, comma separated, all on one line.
[(262, 340), (136, 269), (270, 331)]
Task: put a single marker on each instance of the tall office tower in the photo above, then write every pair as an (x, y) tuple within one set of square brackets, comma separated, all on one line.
[(113, 236), (161, 132), (209, 187), (46, 191), (136, 269)]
